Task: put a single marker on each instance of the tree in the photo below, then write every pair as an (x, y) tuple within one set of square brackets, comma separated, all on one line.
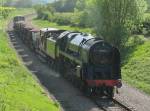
[(148, 2), (115, 19), (80, 5), (65, 5), (23, 3), (44, 11), (50, 8)]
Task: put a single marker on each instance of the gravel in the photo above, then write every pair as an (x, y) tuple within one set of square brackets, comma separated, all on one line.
[(135, 98)]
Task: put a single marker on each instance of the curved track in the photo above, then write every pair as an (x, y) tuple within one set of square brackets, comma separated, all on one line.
[(70, 98)]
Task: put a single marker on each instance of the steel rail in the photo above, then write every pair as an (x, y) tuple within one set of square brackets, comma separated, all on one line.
[(113, 104)]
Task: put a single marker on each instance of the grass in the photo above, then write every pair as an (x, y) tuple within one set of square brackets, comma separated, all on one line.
[(19, 90), (44, 23), (136, 66)]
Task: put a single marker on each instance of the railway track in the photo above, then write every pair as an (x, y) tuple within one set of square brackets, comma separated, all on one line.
[(107, 104), (103, 103)]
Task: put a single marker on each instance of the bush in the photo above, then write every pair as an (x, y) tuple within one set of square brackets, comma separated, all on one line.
[(136, 40), (72, 19), (63, 18), (144, 27), (146, 24), (46, 12), (130, 46), (5, 11)]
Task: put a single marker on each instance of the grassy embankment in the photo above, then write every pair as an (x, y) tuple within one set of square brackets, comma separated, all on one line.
[(136, 64), (44, 23), (19, 90)]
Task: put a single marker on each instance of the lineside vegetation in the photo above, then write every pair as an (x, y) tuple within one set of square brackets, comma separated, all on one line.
[(113, 20), (19, 90), (5, 11)]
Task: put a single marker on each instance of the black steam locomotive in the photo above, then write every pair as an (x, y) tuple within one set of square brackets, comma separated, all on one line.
[(88, 61)]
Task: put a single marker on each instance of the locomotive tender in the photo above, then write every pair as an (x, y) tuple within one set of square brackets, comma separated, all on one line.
[(89, 61)]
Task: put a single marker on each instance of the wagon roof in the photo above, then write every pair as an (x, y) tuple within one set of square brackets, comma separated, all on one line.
[(49, 29)]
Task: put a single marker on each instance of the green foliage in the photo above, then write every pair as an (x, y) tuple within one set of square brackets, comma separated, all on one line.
[(72, 19), (63, 18), (115, 19), (5, 11), (45, 23), (148, 2), (80, 5), (131, 46), (19, 90), (44, 11), (64, 5), (67, 18), (147, 17), (136, 63), (146, 25)]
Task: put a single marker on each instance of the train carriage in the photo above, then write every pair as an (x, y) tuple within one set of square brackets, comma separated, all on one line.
[(27, 35), (35, 39)]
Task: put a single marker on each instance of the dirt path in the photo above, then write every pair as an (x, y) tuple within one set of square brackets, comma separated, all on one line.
[(70, 98)]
